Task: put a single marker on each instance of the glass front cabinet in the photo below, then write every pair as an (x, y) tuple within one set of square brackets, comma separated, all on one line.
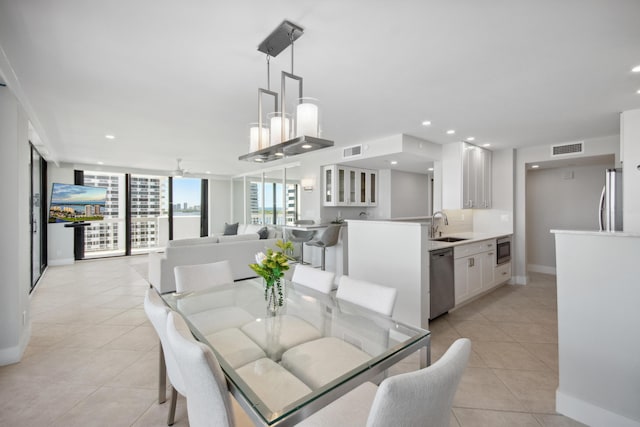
[(347, 186)]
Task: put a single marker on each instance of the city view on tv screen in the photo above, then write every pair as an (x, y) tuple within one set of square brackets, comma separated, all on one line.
[(76, 203)]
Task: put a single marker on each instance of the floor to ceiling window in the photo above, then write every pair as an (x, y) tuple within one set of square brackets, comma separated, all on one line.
[(187, 207), (107, 237), (268, 204), (149, 227), (38, 216), (142, 213)]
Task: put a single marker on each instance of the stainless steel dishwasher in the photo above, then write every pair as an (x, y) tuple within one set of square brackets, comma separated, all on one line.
[(441, 286)]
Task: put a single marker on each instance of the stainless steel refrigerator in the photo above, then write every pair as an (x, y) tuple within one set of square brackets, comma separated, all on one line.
[(610, 217)]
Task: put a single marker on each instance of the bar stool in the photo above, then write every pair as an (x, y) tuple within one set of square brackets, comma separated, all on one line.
[(302, 236), (329, 238)]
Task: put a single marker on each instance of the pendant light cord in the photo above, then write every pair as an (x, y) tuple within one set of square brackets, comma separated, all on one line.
[(268, 72), (291, 38)]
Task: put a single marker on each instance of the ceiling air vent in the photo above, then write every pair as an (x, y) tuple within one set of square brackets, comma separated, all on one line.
[(567, 149), (353, 151)]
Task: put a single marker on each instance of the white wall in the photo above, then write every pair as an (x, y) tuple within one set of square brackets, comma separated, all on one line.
[(630, 139), (219, 204), (409, 194), (59, 238), (524, 156), (559, 198), (15, 233)]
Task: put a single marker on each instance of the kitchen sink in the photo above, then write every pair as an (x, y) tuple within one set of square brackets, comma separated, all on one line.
[(449, 239)]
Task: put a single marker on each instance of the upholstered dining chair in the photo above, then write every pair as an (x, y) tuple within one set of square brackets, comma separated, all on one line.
[(419, 398), (320, 361), (191, 278), (302, 236), (321, 281), (208, 400), (157, 312), (328, 238), (368, 295)]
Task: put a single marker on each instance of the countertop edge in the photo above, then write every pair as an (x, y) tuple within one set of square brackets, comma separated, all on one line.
[(597, 233)]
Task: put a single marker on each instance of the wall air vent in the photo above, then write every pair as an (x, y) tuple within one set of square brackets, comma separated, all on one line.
[(353, 151), (567, 149)]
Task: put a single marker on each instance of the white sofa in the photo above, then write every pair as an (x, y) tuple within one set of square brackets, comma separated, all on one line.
[(239, 249)]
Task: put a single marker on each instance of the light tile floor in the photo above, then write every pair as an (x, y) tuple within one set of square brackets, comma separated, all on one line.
[(92, 358)]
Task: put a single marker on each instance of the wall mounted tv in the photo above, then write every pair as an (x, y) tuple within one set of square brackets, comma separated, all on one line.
[(76, 203)]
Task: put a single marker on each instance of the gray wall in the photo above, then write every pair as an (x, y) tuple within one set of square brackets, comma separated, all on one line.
[(555, 200), (409, 195), (15, 232)]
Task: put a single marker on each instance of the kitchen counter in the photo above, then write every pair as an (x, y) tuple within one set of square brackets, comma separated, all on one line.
[(470, 236)]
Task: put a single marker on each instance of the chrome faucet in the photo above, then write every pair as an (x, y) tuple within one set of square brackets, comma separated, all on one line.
[(434, 226)]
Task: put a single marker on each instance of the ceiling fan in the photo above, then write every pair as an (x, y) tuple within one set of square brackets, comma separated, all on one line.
[(180, 172)]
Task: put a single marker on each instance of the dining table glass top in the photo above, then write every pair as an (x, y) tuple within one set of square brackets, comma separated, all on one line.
[(283, 367)]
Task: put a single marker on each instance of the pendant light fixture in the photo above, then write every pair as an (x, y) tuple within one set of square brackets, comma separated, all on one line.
[(282, 133)]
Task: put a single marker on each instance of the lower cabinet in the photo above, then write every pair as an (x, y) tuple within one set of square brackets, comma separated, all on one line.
[(475, 270)]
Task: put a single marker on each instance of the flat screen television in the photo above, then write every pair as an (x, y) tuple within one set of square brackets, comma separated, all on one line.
[(76, 203)]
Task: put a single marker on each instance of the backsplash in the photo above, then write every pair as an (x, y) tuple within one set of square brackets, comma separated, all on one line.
[(460, 221)]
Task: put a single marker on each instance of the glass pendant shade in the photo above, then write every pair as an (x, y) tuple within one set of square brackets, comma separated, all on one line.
[(280, 127), (307, 117), (258, 138)]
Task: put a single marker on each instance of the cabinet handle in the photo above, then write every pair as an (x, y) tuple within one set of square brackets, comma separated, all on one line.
[(489, 245), (472, 262), (504, 273), (490, 253)]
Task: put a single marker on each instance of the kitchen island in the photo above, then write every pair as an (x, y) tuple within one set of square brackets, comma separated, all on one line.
[(396, 254)]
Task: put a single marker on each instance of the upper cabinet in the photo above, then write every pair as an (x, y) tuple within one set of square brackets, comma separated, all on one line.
[(466, 176), (347, 186)]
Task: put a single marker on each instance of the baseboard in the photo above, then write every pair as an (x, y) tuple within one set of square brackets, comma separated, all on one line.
[(11, 355), (590, 414), (56, 262), (544, 269)]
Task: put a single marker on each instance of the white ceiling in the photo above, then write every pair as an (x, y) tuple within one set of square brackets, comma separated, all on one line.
[(179, 78)]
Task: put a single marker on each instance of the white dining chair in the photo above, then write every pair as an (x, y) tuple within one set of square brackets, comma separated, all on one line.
[(368, 295), (420, 398), (157, 312), (321, 281), (208, 400), (190, 278), (209, 313), (321, 361)]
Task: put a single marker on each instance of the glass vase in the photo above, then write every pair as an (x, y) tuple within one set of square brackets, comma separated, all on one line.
[(274, 296)]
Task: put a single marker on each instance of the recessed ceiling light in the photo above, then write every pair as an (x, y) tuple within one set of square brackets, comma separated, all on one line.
[(110, 137), (636, 69), (208, 172), (306, 146), (394, 162), (535, 166), (101, 163), (486, 145), (471, 138), (430, 169), (451, 132), (638, 92), (426, 123)]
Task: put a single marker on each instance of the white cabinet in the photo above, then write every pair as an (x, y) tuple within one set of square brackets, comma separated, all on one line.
[(474, 269), (466, 173), (346, 186)]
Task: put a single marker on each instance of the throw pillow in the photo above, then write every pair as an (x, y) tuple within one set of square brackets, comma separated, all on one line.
[(230, 229), (263, 233)]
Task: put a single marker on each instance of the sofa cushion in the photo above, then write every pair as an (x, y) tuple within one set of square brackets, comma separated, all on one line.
[(230, 229), (251, 228), (239, 238), (274, 233), (263, 233), (193, 241)]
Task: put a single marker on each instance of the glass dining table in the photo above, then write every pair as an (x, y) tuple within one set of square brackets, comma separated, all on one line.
[(282, 368)]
